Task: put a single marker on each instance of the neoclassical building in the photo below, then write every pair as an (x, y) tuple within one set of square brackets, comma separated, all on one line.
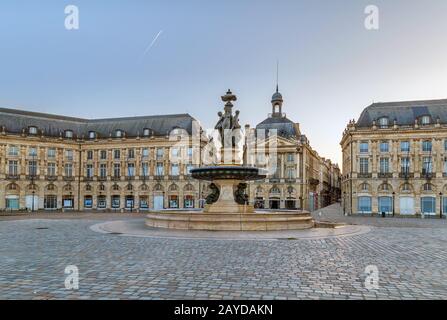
[(300, 178), (54, 162), (395, 159), (51, 162)]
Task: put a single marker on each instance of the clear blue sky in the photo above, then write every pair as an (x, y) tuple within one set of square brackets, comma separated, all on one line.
[(331, 67)]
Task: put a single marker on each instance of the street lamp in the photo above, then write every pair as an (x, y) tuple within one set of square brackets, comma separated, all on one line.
[(394, 196), (440, 205)]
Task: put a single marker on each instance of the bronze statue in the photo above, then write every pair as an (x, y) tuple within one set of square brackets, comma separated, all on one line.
[(227, 122), (214, 195), (239, 194)]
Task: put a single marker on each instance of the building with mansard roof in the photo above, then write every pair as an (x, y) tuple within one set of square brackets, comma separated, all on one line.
[(395, 159)]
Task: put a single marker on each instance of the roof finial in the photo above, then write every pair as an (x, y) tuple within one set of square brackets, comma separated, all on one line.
[(277, 75)]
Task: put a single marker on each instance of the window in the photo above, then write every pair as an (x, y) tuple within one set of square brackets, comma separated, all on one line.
[(383, 123), (13, 151), (384, 146), (385, 204), (145, 169), (51, 153), (92, 135), (364, 147), (51, 169), (116, 187), (189, 202), (145, 153), (32, 152), (426, 146), (32, 168), (116, 154), (131, 153), (118, 134), (405, 146), (405, 165), (68, 170), (160, 169), (68, 134), (428, 187), (173, 201), (130, 169), (89, 155), (116, 170), (89, 171), (427, 165), (174, 170), (102, 187), (13, 169), (445, 166), (190, 152), (189, 167), (406, 187), (290, 173), (428, 205), (69, 155), (174, 153), (425, 120), (115, 202), (364, 166), (103, 155), (384, 165), (290, 157), (160, 153), (32, 130), (88, 201), (364, 204), (146, 132), (103, 170), (445, 145)]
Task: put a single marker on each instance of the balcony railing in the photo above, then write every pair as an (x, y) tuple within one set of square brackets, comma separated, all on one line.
[(406, 175), (12, 176), (71, 178), (385, 175), (32, 177), (365, 175), (51, 178)]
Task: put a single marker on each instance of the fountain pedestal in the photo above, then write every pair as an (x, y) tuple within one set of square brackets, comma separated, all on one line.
[(226, 203)]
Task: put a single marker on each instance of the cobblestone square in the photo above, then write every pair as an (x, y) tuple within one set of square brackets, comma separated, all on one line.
[(411, 260)]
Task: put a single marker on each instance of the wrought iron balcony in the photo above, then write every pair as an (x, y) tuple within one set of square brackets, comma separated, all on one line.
[(385, 175), (12, 177), (32, 177), (364, 175), (51, 177), (71, 178)]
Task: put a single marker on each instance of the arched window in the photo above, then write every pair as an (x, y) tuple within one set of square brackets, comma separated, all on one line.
[(92, 135), (385, 187), (12, 187), (118, 133), (68, 134), (406, 187), (32, 130), (173, 187), (425, 120), (383, 122), (291, 189), (102, 187), (146, 132), (364, 187), (275, 190), (144, 187), (50, 187), (428, 187)]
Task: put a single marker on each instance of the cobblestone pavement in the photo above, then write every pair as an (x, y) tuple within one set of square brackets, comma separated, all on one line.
[(334, 213), (412, 264)]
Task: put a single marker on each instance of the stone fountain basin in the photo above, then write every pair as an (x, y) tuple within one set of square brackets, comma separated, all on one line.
[(228, 172), (225, 221)]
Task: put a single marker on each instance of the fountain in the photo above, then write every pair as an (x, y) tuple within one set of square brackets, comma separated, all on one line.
[(227, 207)]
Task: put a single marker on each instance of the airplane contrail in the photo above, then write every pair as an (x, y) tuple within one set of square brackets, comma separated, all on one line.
[(151, 44)]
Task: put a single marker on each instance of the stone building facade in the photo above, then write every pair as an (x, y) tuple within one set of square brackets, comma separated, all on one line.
[(60, 163), (395, 160), (298, 177), (50, 162)]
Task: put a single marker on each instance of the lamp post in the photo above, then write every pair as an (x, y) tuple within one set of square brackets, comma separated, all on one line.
[(394, 196), (440, 205), (344, 202), (34, 168)]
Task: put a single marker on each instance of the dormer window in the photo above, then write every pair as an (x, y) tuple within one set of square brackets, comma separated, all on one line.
[(118, 133), (425, 120), (92, 135), (146, 132), (68, 134), (383, 123), (32, 130)]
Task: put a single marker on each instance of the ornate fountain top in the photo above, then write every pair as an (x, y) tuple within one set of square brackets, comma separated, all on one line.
[(227, 121)]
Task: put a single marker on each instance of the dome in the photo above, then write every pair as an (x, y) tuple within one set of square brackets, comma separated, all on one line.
[(283, 126), (277, 97)]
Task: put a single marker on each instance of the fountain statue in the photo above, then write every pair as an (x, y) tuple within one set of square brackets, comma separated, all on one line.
[(227, 206)]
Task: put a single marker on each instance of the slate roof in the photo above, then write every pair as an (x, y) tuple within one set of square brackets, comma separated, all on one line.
[(285, 127), (16, 120), (404, 112)]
